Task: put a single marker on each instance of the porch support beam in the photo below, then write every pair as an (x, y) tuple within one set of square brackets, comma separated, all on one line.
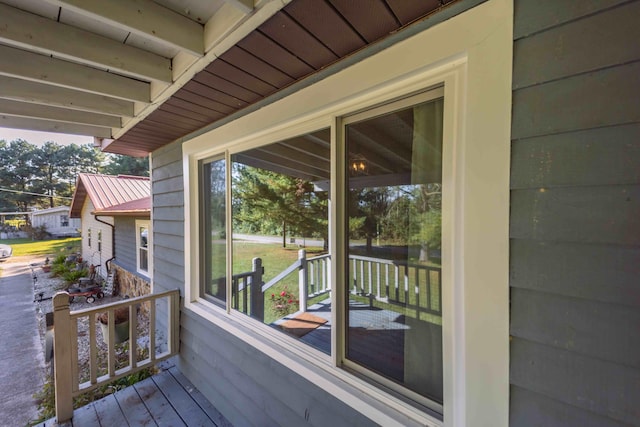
[(40, 93), (40, 68), (53, 126), (245, 6), (29, 110), (145, 18), (32, 32)]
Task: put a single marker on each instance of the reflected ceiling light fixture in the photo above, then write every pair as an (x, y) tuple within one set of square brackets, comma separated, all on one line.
[(358, 165)]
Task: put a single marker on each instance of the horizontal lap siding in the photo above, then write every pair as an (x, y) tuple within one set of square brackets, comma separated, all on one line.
[(575, 214), (168, 218), (250, 388), (125, 250)]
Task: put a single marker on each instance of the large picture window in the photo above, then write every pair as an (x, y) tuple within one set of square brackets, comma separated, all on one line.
[(403, 158), (279, 232)]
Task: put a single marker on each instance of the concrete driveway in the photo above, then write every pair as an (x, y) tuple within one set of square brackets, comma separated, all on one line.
[(22, 367)]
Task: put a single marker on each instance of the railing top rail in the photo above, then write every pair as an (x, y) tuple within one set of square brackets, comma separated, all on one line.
[(319, 257), (122, 303), (392, 262), (297, 264)]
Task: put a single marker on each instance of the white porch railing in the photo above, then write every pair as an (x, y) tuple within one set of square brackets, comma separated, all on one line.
[(410, 285), (66, 373)]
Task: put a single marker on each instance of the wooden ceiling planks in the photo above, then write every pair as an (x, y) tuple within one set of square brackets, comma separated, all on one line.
[(302, 38)]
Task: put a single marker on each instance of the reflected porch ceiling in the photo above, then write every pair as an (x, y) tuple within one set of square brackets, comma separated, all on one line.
[(139, 74)]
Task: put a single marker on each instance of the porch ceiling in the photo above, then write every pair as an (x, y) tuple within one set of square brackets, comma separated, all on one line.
[(139, 74)]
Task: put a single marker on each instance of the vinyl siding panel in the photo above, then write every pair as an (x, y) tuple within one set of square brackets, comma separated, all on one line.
[(575, 215), (535, 16), (596, 99), (605, 273), (594, 157), (251, 386), (604, 214), (536, 410), (126, 243), (168, 218), (593, 385)]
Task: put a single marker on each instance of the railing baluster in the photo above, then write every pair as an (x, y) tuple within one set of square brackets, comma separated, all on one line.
[(406, 284), (377, 279), (152, 330), (133, 336), (355, 281), (416, 288), (111, 357), (397, 281), (370, 278), (74, 355), (428, 271), (93, 363)]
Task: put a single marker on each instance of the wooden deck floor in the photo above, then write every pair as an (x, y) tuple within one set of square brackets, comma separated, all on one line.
[(166, 399)]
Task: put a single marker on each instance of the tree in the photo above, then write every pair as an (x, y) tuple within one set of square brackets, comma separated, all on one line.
[(28, 171), (367, 207), (271, 203), (117, 164), (17, 173)]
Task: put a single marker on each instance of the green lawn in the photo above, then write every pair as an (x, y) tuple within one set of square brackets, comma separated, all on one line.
[(49, 248)]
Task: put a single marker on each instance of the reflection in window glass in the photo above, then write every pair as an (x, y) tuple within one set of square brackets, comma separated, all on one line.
[(280, 236), (214, 223), (394, 323), (143, 248)]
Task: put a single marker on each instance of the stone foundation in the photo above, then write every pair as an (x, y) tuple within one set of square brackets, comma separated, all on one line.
[(128, 284)]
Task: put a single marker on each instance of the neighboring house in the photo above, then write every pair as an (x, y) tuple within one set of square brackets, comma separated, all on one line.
[(511, 126), (115, 213), (57, 221)]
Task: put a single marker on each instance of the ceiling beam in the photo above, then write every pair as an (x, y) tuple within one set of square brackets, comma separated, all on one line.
[(52, 126), (39, 93), (145, 18), (25, 109), (245, 6), (32, 32), (32, 66)]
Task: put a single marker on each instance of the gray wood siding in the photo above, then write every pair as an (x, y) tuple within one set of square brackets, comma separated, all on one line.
[(575, 214), (126, 243), (250, 388), (168, 218)]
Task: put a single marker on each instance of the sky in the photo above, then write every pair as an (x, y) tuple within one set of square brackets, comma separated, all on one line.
[(39, 138)]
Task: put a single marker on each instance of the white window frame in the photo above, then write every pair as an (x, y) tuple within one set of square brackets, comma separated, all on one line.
[(138, 224), (471, 55)]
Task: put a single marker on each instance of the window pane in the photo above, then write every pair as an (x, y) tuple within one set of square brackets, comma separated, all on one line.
[(214, 223), (280, 236), (143, 245), (394, 220)]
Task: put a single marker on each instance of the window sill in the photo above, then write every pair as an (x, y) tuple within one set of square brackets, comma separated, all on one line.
[(315, 366)]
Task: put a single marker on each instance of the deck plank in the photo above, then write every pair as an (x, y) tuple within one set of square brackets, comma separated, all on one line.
[(163, 412), (133, 408), (109, 412), (85, 416), (190, 412), (200, 399)]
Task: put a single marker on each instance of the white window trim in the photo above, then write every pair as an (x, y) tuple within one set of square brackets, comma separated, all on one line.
[(472, 55), (144, 223)]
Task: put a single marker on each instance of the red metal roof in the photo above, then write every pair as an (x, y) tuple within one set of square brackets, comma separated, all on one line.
[(140, 207), (109, 193)]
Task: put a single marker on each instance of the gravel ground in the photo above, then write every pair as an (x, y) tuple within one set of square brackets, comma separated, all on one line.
[(49, 286)]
